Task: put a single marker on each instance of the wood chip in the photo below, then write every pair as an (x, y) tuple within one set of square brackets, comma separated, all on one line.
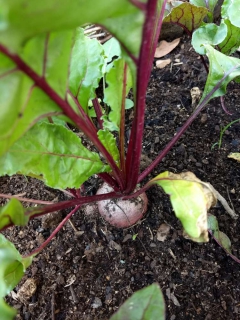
[(27, 290)]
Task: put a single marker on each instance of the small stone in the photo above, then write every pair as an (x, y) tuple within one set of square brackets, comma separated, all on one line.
[(204, 118), (97, 303)]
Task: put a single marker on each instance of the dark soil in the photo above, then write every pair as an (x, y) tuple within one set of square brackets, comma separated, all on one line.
[(89, 274)]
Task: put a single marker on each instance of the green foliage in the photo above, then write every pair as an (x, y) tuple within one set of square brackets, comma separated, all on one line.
[(221, 66), (21, 21), (111, 49), (114, 93), (54, 154), (221, 237), (210, 4), (12, 212), (230, 10), (209, 33), (219, 143), (12, 268), (86, 68), (145, 304), (109, 142)]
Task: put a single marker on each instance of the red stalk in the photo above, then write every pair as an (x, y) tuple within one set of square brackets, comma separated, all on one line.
[(151, 31), (98, 111), (122, 124), (59, 227)]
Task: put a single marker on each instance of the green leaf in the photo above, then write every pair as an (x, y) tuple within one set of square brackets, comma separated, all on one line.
[(189, 202), (221, 237), (209, 34), (232, 41), (12, 268), (21, 19), (49, 57), (220, 65), (111, 49), (52, 153), (12, 212), (210, 4), (109, 142), (145, 304), (7, 313), (187, 15), (114, 92), (86, 68), (230, 10)]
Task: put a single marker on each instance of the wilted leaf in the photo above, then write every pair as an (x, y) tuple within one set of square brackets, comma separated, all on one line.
[(190, 198), (162, 63), (235, 156), (165, 47), (145, 304), (187, 16)]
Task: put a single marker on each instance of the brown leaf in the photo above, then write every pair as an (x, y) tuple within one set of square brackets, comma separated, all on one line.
[(162, 63), (165, 47)]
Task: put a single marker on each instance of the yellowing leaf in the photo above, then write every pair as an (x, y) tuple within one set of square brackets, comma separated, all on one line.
[(235, 156), (190, 198)]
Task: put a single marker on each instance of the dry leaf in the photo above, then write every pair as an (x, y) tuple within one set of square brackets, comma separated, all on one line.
[(165, 47), (162, 63), (162, 232), (235, 156)]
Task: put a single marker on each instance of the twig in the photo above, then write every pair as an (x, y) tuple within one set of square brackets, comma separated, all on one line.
[(98, 35), (72, 225), (105, 39), (92, 29), (73, 294), (6, 196), (230, 200)]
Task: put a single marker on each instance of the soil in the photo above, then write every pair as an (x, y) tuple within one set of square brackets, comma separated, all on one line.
[(88, 271)]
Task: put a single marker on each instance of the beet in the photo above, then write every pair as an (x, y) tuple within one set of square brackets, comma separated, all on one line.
[(122, 213)]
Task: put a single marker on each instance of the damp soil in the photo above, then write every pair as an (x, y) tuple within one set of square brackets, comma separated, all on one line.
[(90, 268)]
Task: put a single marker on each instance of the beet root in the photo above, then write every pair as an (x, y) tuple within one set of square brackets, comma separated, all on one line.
[(122, 213)]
